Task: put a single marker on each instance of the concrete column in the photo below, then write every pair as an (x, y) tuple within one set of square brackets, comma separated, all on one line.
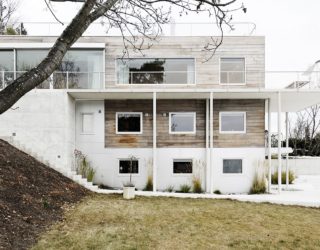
[(269, 145), (287, 147), (211, 142), (154, 141), (279, 142)]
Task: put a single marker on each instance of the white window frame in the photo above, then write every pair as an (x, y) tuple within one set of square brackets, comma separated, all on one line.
[(244, 131), (245, 71), (181, 159), (128, 174), (81, 117), (161, 57), (184, 132), (233, 158), (130, 113)]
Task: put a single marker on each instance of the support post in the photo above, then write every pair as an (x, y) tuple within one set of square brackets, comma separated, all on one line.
[(207, 149), (287, 148), (154, 141), (279, 143), (269, 145), (211, 142)]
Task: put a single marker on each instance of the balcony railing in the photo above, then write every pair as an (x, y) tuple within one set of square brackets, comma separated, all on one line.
[(156, 77), (61, 80), (299, 80)]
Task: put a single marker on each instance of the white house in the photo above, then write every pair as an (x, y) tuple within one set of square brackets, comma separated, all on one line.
[(179, 116)]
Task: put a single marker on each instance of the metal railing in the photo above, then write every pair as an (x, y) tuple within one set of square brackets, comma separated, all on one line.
[(169, 29), (156, 77), (298, 80), (61, 80)]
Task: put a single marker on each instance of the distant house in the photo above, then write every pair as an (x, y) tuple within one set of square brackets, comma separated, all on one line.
[(176, 114)]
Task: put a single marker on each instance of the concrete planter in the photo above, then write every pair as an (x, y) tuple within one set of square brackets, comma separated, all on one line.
[(128, 193)]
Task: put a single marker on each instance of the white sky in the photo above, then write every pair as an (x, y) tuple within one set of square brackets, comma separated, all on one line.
[(291, 27)]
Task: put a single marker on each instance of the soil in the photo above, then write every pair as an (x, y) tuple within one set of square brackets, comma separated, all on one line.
[(33, 196)]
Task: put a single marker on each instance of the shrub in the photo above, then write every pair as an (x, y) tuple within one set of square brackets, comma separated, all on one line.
[(196, 182), (185, 188), (217, 191), (90, 174), (10, 31), (169, 189), (274, 177), (149, 184), (258, 185)]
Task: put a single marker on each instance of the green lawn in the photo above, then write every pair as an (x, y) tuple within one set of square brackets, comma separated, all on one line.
[(109, 222)]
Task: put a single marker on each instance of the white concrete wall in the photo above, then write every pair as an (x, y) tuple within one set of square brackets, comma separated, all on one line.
[(106, 160), (253, 159), (43, 120), (300, 166)]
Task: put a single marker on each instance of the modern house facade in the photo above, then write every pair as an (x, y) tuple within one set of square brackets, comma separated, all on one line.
[(175, 113)]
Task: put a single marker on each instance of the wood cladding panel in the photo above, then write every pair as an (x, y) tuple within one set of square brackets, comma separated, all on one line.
[(164, 139), (255, 123)]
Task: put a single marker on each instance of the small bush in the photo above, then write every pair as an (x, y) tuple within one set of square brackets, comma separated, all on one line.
[(258, 185), (274, 177), (185, 188), (149, 184), (90, 174), (217, 191), (196, 188), (10, 31), (169, 189)]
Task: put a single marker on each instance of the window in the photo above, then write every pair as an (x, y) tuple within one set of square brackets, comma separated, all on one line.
[(232, 71), (232, 122), (182, 166), (6, 67), (129, 123), (128, 166), (232, 166), (84, 67), (156, 71), (182, 123), (87, 123)]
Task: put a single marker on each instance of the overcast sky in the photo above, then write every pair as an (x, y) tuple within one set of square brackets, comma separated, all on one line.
[(291, 27)]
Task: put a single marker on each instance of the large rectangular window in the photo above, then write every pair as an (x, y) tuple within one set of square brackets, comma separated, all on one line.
[(6, 67), (129, 123), (128, 166), (181, 166), (182, 123), (232, 71), (156, 71), (232, 122), (232, 166), (79, 69)]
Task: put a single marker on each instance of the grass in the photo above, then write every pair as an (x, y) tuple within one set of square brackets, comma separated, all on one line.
[(109, 222), (274, 177)]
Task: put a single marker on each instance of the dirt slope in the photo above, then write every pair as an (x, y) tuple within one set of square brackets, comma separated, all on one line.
[(32, 197)]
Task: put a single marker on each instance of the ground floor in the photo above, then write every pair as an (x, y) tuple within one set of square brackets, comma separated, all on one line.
[(171, 137)]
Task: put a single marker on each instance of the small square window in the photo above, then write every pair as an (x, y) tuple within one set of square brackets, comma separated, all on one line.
[(232, 166), (128, 166), (182, 166), (232, 122), (232, 71), (182, 123), (129, 123), (87, 123)]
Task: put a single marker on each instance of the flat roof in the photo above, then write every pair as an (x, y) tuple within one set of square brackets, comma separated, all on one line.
[(291, 100)]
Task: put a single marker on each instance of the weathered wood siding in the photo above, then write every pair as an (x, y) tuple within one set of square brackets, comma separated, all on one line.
[(164, 139), (255, 123), (207, 72)]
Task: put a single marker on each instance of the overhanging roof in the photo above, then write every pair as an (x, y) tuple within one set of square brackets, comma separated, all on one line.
[(291, 100)]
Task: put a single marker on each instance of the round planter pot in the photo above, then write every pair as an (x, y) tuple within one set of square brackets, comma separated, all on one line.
[(128, 193)]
